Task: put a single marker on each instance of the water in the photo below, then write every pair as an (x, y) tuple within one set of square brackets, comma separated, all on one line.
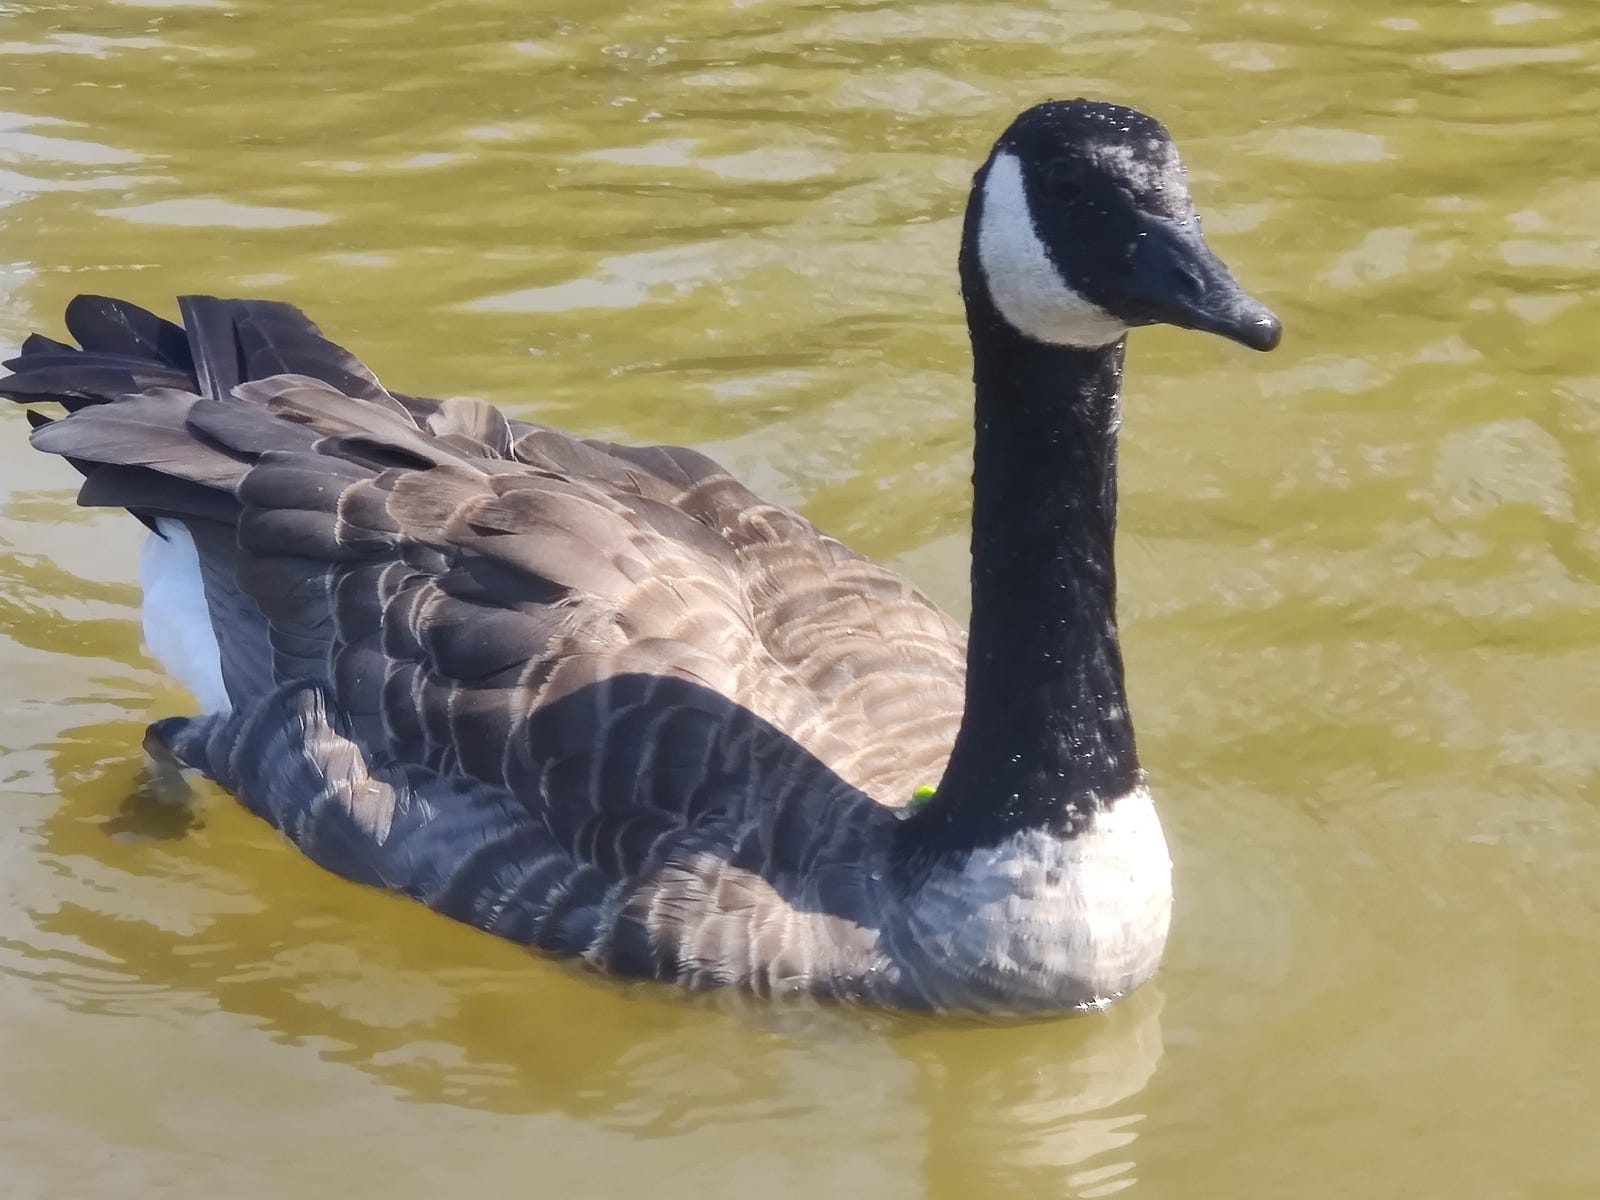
[(1361, 585)]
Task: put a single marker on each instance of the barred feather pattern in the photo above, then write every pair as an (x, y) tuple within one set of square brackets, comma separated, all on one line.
[(597, 699)]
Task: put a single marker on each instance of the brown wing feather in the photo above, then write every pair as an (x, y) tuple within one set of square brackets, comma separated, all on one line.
[(878, 669), (601, 698)]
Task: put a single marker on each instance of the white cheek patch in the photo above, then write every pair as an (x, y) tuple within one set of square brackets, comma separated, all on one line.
[(1023, 283)]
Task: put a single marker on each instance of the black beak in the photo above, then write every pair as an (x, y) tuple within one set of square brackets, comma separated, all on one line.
[(1175, 279)]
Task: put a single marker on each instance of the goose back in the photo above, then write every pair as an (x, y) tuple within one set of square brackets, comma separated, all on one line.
[(558, 688)]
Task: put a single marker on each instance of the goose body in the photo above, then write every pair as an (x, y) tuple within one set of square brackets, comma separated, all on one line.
[(605, 701)]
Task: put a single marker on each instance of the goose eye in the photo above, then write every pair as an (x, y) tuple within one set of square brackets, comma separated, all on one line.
[(1063, 180)]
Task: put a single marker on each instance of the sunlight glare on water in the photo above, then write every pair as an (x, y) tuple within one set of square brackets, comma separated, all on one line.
[(1361, 584)]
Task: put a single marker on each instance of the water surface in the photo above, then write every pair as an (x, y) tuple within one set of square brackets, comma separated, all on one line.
[(1362, 584)]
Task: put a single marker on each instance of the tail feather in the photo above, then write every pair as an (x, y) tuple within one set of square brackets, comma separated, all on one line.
[(106, 326), (233, 341), (147, 430), (37, 343), (214, 343), (147, 493), (177, 416), (165, 419), (328, 364), (86, 379)]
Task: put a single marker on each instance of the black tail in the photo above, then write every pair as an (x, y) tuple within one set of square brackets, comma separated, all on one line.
[(122, 349), (167, 420), (143, 458)]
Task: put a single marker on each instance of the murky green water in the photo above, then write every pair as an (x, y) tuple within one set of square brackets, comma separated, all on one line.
[(1362, 584)]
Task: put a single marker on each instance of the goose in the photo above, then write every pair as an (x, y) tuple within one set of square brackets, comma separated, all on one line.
[(604, 701)]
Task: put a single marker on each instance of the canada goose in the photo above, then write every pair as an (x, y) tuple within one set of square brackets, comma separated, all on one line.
[(602, 700)]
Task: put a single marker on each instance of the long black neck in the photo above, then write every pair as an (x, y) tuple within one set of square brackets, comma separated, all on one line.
[(1046, 739)]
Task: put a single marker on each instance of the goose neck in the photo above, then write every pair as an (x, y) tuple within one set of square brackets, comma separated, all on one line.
[(1045, 740)]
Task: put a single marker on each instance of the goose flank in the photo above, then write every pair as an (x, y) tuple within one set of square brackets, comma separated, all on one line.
[(603, 700)]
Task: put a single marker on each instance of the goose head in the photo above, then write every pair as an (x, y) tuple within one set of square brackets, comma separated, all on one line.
[(1082, 228)]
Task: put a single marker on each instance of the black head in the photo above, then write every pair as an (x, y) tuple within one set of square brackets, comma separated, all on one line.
[(1083, 228)]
